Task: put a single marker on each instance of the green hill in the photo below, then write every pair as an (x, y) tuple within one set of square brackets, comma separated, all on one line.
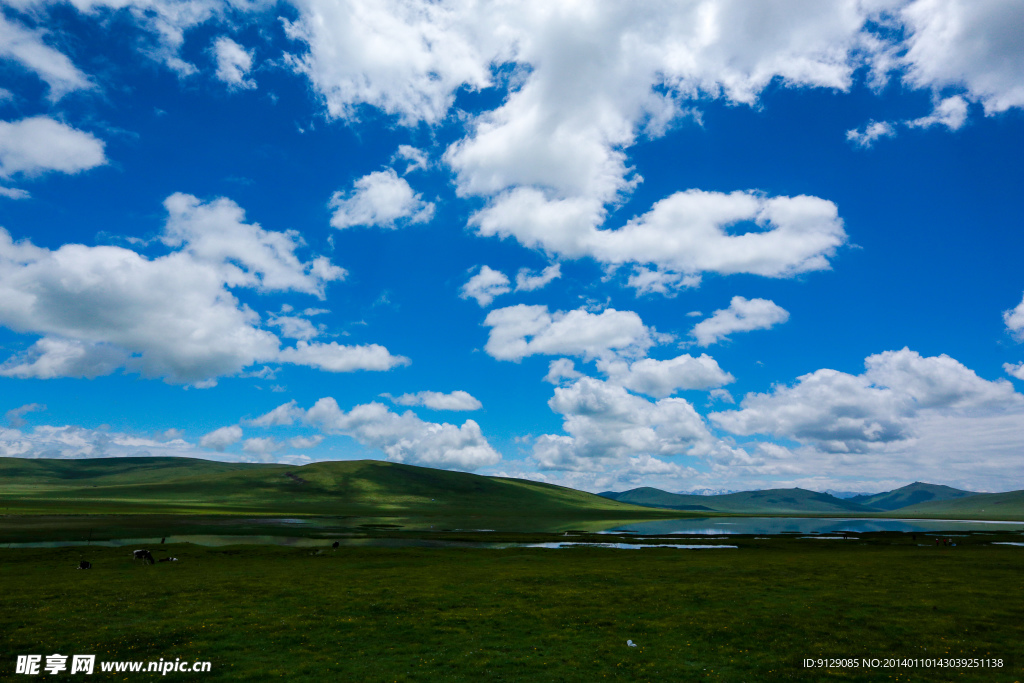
[(912, 494), (998, 506), (352, 488), (772, 501)]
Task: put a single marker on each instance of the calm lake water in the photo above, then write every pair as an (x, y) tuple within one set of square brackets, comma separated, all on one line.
[(768, 526)]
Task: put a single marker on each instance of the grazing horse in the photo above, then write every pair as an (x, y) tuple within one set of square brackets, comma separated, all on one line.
[(143, 555), (84, 564)]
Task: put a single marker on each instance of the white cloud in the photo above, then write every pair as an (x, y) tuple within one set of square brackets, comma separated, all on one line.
[(873, 130), (648, 281), (970, 44), (283, 415), (485, 285), (743, 315), (101, 308), (46, 441), (379, 199), (1014, 370), (528, 281), (52, 357), (215, 234), (233, 64), (16, 416), (406, 438), (416, 157), (335, 357), (950, 112), (456, 400), (406, 58), (219, 439), (690, 232), (1014, 319), (306, 441), (561, 369), (14, 193), (262, 448), (604, 421), (28, 48), (842, 413), (520, 331), (294, 327), (661, 378), (37, 145)]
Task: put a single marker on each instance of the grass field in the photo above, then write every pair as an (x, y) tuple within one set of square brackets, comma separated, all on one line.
[(374, 614)]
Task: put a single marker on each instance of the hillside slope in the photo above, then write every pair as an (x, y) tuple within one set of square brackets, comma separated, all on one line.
[(360, 487), (912, 494), (997, 506), (770, 501)]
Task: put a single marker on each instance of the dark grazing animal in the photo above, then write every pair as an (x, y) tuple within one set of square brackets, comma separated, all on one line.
[(335, 545), (143, 555), (85, 564), (168, 559)]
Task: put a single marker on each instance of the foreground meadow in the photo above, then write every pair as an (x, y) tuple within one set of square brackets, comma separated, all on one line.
[(525, 614)]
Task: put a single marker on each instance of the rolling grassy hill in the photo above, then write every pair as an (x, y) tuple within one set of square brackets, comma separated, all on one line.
[(774, 501), (1009, 505), (352, 488), (912, 494), (914, 500)]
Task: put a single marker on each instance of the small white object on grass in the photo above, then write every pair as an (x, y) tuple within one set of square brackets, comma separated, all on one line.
[(630, 643)]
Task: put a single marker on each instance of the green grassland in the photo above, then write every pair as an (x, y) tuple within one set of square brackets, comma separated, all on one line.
[(362, 488), (376, 614)]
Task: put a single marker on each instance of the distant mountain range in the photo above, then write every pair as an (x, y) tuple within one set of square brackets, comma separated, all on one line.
[(915, 499)]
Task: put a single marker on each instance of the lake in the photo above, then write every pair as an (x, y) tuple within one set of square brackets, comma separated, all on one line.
[(768, 526)]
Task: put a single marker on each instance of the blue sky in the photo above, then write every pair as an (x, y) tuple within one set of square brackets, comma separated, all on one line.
[(685, 245)]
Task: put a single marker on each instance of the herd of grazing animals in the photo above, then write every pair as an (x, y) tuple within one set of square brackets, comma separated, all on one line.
[(147, 557)]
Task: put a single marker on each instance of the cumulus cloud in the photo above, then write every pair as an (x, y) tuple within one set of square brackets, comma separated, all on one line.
[(98, 309), (233, 64), (872, 131), (604, 421), (456, 400), (215, 234), (28, 47), (1014, 370), (379, 199), (283, 415), (950, 112), (743, 315), (1014, 319), (406, 438), (966, 44), (689, 232), (16, 416), (219, 439), (661, 378), (262, 448), (416, 157), (47, 441), (842, 413), (485, 285), (656, 281), (14, 193), (561, 369), (521, 330), (528, 280), (39, 144), (335, 357), (306, 441)]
